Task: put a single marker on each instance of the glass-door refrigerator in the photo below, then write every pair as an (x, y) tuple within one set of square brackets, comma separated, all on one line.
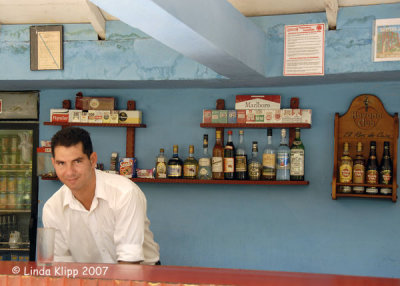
[(18, 180)]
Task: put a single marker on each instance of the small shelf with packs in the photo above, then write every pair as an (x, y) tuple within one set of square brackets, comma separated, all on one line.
[(365, 151)]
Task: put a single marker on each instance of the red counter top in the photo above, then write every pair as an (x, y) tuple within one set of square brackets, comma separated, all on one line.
[(64, 274)]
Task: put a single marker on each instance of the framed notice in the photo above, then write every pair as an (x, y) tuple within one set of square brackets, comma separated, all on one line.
[(46, 47), (304, 50), (386, 40)]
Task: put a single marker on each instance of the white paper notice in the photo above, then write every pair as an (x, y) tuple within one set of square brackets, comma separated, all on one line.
[(304, 50)]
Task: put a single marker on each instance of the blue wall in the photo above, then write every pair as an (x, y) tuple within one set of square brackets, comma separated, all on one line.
[(289, 228)]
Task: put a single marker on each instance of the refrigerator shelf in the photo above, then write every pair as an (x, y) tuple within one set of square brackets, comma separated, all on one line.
[(14, 249), (19, 243), (12, 211)]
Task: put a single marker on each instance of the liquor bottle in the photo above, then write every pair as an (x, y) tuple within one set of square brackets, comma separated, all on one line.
[(283, 159), (255, 166), (269, 159), (218, 157), (174, 167), (345, 169), (241, 158), (386, 170), (297, 158), (161, 165), (205, 172), (372, 170), (359, 169), (229, 158), (190, 166)]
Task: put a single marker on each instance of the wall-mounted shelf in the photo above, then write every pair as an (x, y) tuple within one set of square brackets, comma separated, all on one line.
[(221, 182), (255, 125), (95, 124)]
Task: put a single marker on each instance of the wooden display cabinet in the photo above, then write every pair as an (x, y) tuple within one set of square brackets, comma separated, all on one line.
[(366, 120)]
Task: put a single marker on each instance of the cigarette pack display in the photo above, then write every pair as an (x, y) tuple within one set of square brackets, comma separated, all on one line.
[(75, 116), (207, 114), (94, 103), (59, 115), (130, 116), (231, 116), (127, 167), (241, 116), (258, 102), (219, 116), (106, 116)]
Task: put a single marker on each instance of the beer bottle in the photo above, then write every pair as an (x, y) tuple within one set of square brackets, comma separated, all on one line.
[(372, 170), (386, 170)]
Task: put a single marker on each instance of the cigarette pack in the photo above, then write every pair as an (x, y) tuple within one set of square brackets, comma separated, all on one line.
[(130, 116), (306, 116), (241, 116), (106, 116), (231, 116), (207, 114), (59, 115), (291, 115), (75, 116), (145, 173), (258, 102), (84, 117), (219, 116), (113, 116), (95, 116), (254, 116), (127, 167), (272, 116)]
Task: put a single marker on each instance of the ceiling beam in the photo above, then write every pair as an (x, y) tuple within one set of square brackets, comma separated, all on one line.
[(331, 8), (210, 32), (96, 19)]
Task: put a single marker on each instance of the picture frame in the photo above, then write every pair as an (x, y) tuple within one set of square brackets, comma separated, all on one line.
[(46, 43), (386, 40)]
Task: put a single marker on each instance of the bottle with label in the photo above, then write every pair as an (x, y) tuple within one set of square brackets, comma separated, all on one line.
[(190, 166), (241, 158), (205, 172), (229, 158), (359, 170), (386, 170), (297, 158), (372, 170), (218, 157), (161, 165), (283, 159), (345, 169), (174, 167), (269, 159), (255, 166)]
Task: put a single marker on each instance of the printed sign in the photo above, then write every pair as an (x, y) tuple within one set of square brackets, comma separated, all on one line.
[(386, 40)]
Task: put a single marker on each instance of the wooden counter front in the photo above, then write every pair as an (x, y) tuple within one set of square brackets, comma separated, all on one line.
[(65, 274)]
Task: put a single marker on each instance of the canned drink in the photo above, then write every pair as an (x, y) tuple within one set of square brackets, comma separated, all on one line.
[(11, 200), (3, 184), (19, 201), (11, 184), (13, 160), (14, 144), (20, 184), (5, 144), (3, 201)]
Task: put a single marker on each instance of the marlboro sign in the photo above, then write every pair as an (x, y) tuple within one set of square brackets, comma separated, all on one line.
[(258, 102)]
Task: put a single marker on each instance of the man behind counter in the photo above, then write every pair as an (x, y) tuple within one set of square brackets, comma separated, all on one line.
[(98, 217)]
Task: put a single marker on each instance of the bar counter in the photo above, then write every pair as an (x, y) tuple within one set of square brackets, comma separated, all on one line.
[(65, 274)]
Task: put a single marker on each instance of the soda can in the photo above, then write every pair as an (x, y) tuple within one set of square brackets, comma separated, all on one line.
[(20, 184), (3, 184), (11, 200), (5, 144), (3, 201), (13, 160), (19, 201), (14, 144), (11, 184)]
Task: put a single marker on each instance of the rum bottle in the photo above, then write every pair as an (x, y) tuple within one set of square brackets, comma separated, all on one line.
[(174, 167), (205, 172), (161, 165), (269, 159), (386, 170), (190, 166), (255, 166), (218, 157), (241, 158), (359, 169), (283, 159), (372, 170), (297, 158), (229, 158), (345, 169)]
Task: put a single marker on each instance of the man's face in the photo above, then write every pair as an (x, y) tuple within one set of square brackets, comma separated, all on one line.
[(73, 167)]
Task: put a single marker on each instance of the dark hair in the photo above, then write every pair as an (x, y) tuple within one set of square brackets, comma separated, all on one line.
[(71, 136)]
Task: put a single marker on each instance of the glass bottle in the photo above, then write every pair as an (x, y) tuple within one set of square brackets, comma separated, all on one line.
[(386, 170), (229, 158), (297, 158), (241, 158), (190, 166), (218, 157), (161, 165), (345, 169), (372, 170), (283, 159), (359, 169), (255, 166), (205, 172), (174, 167), (269, 159)]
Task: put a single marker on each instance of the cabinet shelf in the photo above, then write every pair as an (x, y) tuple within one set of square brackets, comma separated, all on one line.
[(255, 125), (221, 182), (95, 124)]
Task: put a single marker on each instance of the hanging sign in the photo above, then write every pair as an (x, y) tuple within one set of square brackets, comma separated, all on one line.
[(304, 50)]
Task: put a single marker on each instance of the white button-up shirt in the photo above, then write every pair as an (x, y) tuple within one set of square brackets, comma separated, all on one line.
[(116, 227)]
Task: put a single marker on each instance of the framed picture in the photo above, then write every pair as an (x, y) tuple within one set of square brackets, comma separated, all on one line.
[(386, 40), (46, 47)]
